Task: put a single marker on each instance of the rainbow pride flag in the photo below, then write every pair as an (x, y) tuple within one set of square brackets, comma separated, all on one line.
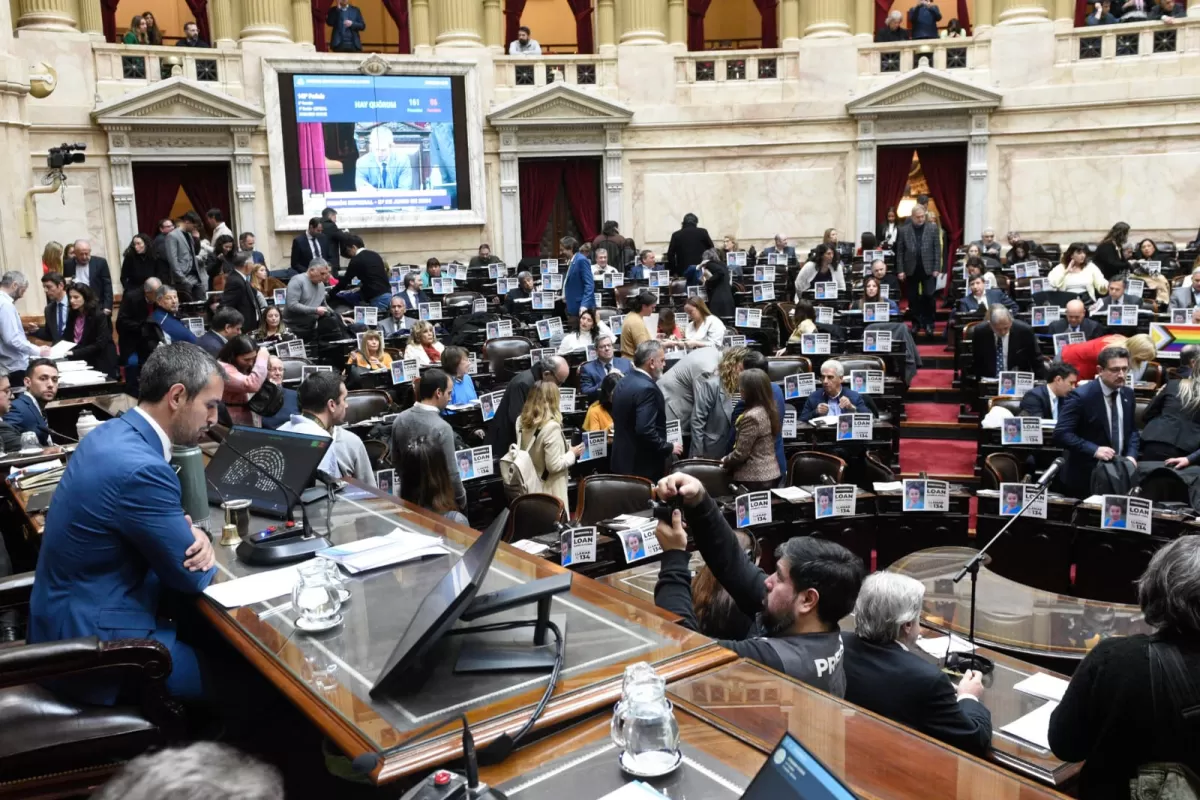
[(1171, 337)]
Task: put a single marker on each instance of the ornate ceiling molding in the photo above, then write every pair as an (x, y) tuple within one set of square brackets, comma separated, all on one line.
[(175, 104), (923, 92), (560, 105)]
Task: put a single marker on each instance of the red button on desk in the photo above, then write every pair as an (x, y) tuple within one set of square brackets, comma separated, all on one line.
[(441, 778)]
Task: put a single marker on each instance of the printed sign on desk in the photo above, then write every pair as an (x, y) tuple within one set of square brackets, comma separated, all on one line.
[(854, 427), (543, 301), (1014, 496), (834, 501), (640, 542), (876, 312), (926, 496), (674, 432), (825, 290), (405, 371), (456, 271), (763, 292), (660, 279), (497, 270), (1039, 285), (595, 445), (430, 311), (736, 259), (548, 266), (613, 279), (195, 325), (616, 324), (577, 546), (549, 328), (867, 381), (1028, 269), (752, 509), (764, 274), (1135, 288), (313, 369), (566, 401), (824, 315), (747, 317), (442, 285), (499, 329), (280, 296), (877, 341), (488, 403), (1181, 316), (1124, 315), (1021, 430), (1153, 267), (1119, 512), (475, 462), (385, 479), (814, 344), (777, 259), (697, 291), (479, 305), (552, 283), (789, 423), (1061, 340), (798, 387), (735, 340)]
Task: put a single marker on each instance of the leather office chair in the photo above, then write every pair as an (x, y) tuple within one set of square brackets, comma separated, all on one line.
[(622, 294), (532, 515), (461, 298), (1001, 468), (679, 287), (1154, 373), (607, 496), (605, 314), (292, 367), (858, 362), (779, 367), (788, 323), (496, 351), (875, 471), (1013, 404), (710, 473), (366, 403), (1140, 404), (808, 467), (378, 453)]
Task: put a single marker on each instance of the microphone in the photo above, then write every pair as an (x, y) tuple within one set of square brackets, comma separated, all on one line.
[(827, 481), (289, 493), (1052, 470)]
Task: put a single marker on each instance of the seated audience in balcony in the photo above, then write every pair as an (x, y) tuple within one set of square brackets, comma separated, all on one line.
[(191, 33), (923, 19), (1168, 11), (1136, 10), (1110, 253), (1101, 14), (153, 34), (137, 32), (891, 30), (1076, 274), (524, 44), (954, 30), (346, 21)]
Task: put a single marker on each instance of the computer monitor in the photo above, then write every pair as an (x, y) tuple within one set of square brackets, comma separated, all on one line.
[(438, 612), (292, 458), (792, 771)]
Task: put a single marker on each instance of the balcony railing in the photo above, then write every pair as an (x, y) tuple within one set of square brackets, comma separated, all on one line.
[(724, 66), (899, 57), (120, 68), (514, 72), (1131, 40)]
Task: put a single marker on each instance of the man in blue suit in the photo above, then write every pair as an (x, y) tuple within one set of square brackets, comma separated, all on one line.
[(41, 386), (346, 21), (831, 398), (1096, 422), (579, 290), (639, 413), (593, 373), (980, 297), (226, 324), (1045, 400), (117, 535)]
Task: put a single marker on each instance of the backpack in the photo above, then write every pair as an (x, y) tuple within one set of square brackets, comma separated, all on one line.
[(1170, 684), (517, 472), (1113, 477)]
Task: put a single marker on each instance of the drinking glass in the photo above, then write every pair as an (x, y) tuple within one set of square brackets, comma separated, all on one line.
[(335, 578), (315, 598), (29, 441)]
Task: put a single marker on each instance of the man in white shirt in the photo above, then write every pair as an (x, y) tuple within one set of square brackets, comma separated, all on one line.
[(15, 348), (523, 45), (1045, 399), (216, 221), (322, 409)]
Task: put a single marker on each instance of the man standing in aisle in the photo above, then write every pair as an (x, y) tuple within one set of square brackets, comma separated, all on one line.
[(923, 19), (579, 289), (182, 258), (346, 21), (639, 412), (91, 271), (15, 348), (919, 259)]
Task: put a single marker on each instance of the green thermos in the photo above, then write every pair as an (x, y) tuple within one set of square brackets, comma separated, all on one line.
[(189, 466)]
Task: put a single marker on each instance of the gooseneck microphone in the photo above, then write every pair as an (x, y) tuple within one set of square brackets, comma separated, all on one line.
[(1051, 471), (288, 493)]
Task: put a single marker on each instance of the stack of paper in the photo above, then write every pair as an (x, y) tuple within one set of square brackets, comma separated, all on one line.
[(793, 494), (256, 588), (1034, 727), (397, 547), (61, 348), (939, 646), (531, 547), (1047, 687), (888, 486)]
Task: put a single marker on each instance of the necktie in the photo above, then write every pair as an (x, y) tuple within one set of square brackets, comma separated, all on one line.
[(999, 356), (383, 169), (1114, 423), (62, 321), (314, 247), (1054, 408)]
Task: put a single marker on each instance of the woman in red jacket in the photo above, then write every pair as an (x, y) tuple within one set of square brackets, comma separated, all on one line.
[(1083, 356)]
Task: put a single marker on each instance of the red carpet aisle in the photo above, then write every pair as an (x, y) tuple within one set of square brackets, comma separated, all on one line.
[(938, 457)]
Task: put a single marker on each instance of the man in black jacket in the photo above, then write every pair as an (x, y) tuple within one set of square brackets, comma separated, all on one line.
[(1076, 320), (522, 292), (239, 294), (687, 246), (639, 412), (338, 240), (891, 30), (884, 674), (135, 309), (503, 432), (91, 271), (796, 609), (305, 247), (1043, 401), (372, 274), (1005, 344), (56, 309)]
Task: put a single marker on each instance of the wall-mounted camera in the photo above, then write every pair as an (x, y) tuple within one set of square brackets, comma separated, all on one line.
[(66, 154)]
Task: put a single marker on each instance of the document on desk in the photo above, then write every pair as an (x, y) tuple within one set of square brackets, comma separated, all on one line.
[(256, 588), (793, 494), (938, 646), (1034, 727), (374, 552), (1047, 687), (636, 790), (61, 348), (888, 486)]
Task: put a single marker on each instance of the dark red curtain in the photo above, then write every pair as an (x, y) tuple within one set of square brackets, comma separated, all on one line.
[(539, 184), (945, 168), (398, 9), (199, 9), (108, 13), (207, 186), (155, 187), (964, 17), (892, 165), (696, 9), (882, 7), (582, 9), (582, 179), (770, 26), (512, 20), (320, 8)]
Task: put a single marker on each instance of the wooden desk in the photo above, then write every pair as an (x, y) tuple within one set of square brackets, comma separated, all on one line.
[(874, 756), (328, 675)]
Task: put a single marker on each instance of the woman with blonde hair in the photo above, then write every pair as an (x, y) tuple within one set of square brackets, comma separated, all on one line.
[(52, 258), (539, 432), (423, 345), (1083, 355), (137, 31), (704, 328), (371, 356), (712, 412), (1172, 422)]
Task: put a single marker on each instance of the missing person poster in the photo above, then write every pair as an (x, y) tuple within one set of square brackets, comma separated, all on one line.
[(280, 297), (309, 369), (789, 424), (867, 381), (1119, 512), (1014, 496), (1021, 430), (869, 258), (195, 325), (735, 340), (295, 348), (566, 401), (616, 323), (660, 279), (442, 285), (764, 274), (1042, 316), (613, 279), (577, 546), (736, 258), (797, 387), (697, 291), (763, 292), (825, 290), (549, 327), (1181, 316), (503, 285), (681, 320), (824, 315), (430, 311), (834, 501), (884, 291), (553, 283), (475, 462), (472, 364), (548, 266), (1028, 269), (385, 479), (747, 317), (1061, 340), (499, 329), (1015, 384), (543, 301), (777, 259), (366, 315), (854, 427), (640, 542), (1135, 288), (1125, 315), (1152, 267), (488, 403), (877, 341), (674, 432), (752, 509), (1039, 285), (876, 312), (479, 306), (405, 371), (926, 496), (497, 270), (814, 344), (595, 445)]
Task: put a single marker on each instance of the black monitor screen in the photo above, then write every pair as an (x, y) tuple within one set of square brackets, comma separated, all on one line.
[(792, 771), (292, 458), (438, 612)]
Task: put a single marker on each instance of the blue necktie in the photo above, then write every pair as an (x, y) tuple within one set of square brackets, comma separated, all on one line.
[(1114, 434), (62, 322), (999, 357)]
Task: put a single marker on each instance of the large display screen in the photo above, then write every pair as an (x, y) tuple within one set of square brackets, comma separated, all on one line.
[(374, 144)]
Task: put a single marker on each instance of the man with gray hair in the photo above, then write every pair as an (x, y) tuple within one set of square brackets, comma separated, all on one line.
[(987, 244), (919, 262), (885, 676), (639, 413), (209, 770), (91, 271), (15, 347), (503, 432), (306, 299), (891, 30), (831, 399), (1005, 344), (104, 561), (517, 299)]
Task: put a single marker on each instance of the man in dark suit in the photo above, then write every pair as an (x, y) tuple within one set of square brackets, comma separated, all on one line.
[(687, 245), (919, 261), (593, 373), (338, 239), (979, 297), (1005, 344), (880, 271), (1117, 297), (246, 243), (1096, 422), (91, 271), (522, 291), (346, 21), (56, 309), (1076, 321), (1046, 398), (41, 386), (305, 247), (239, 294), (135, 310), (1186, 295), (886, 676), (226, 324), (780, 245), (639, 413), (503, 432)]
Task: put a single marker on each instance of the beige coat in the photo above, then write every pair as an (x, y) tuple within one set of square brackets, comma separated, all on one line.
[(549, 453)]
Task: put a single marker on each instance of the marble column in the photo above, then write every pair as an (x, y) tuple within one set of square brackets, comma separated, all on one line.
[(864, 17), (224, 31), (676, 23), (864, 207), (606, 27), (1193, 10), (420, 29), (510, 197), (90, 19), (789, 23), (458, 23), (302, 22), (643, 21), (1021, 12), (120, 165), (984, 18), (614, 184), (17, 248), (47, 15), (975, 212), (829, 17), (265, 21), (1064, 12), (493, 26)]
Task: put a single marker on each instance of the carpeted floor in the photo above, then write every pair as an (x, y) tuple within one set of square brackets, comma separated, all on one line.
[(931, 412), (933, 379), (941, 457), (932, 350)]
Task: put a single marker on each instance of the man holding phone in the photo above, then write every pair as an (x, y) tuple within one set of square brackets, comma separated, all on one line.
[(923, 19)]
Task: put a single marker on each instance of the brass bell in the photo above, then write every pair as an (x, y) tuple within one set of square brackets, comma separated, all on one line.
[(229, 536)]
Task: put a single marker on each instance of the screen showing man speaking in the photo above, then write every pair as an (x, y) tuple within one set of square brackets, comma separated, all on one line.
[(374, 143)]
